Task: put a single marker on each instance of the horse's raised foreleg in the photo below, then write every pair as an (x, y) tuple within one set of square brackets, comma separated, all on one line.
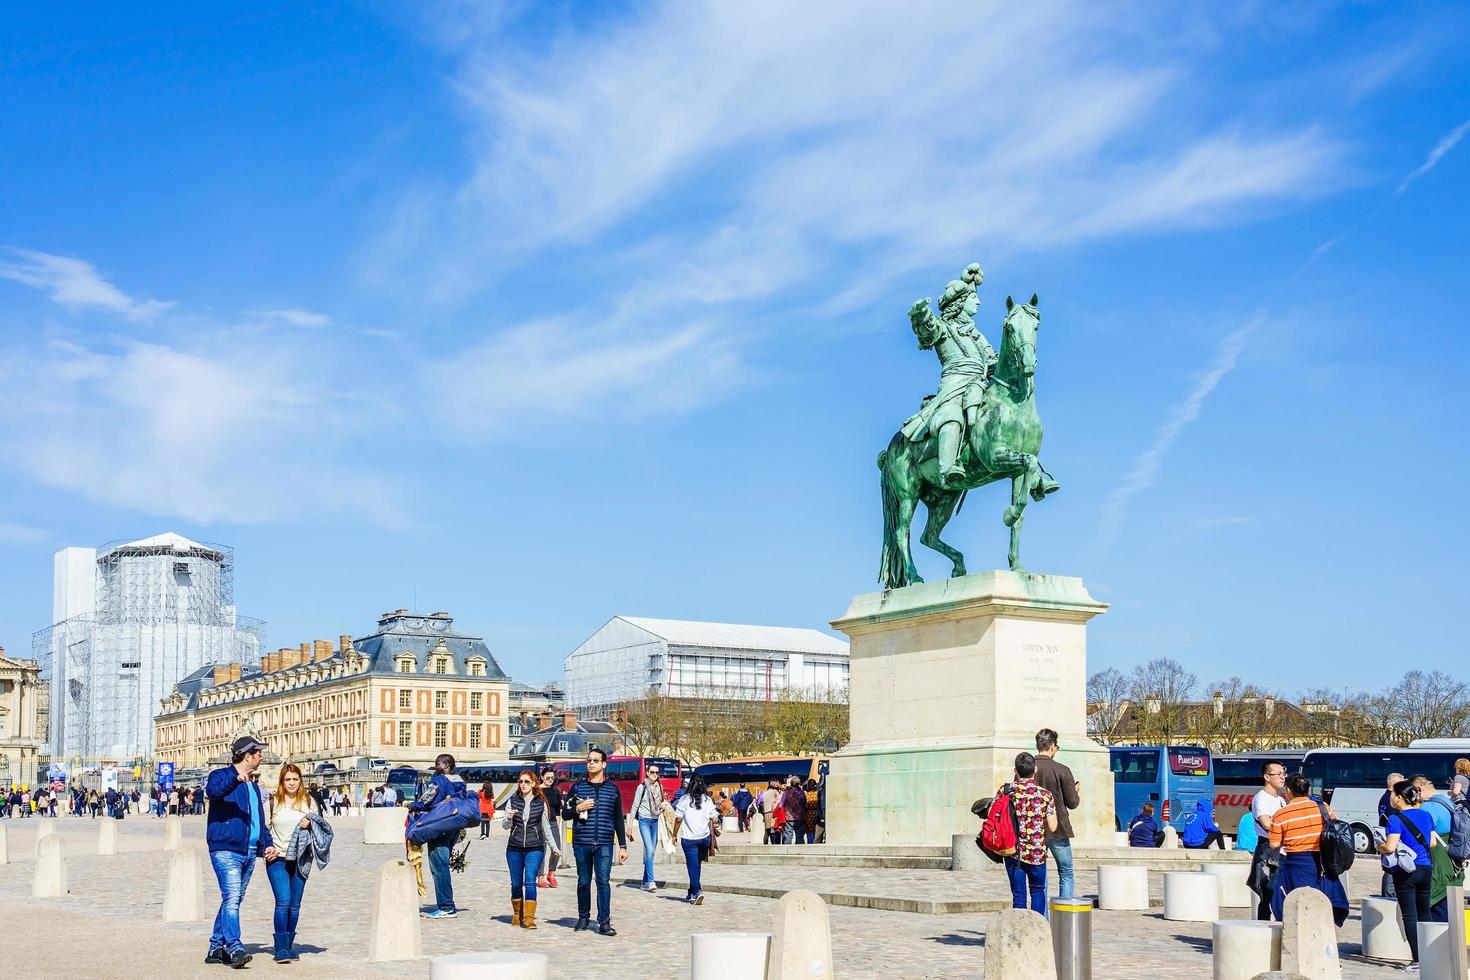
[(941, 505), (1014, 518)]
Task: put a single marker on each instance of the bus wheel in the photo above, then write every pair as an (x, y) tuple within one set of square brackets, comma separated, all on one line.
[(1362, 839)]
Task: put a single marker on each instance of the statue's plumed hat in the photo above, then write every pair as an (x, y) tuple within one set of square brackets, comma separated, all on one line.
[(954, 291)]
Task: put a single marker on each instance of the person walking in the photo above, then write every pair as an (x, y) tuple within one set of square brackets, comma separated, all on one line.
[(596, 809), (487, 808), (307, 837), (793, 800), (530, 843), (744, 803), (1057, 779), (695, 819), (1202, 832), (1296, 829), (1411, 826), (444, 785), (552, 794), (770, 799), (1036, 816), (648, 809), (1265, 862), (237, 832)]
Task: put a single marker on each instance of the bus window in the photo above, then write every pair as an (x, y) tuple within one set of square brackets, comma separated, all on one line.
[(1135, 765), (623, 770)]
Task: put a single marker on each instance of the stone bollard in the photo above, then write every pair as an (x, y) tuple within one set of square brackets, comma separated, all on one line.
[(173, 832), (50, 879), (1278, 975), (729, 955), (1309, 936), (183, 895), (1018, 946), (1122, 887), (1234, 892), (488, 966), (1434, 950), (1171, 838), (1383, 930), (4, 846), (1120, 839), (394, 930), (1190, 896), (44, 829), (383, 825), (801, 942), (965, 854), (1243, 948), (107, 837)]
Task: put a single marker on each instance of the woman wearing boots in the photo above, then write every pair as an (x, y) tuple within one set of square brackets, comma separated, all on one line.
[(291, 809), (531, 841)]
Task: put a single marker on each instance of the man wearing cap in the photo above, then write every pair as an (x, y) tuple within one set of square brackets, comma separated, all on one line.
[(238, 832)]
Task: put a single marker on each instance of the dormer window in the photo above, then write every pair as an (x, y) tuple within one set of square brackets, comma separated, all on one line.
[(477, 668), (441, 665), (405, 665)]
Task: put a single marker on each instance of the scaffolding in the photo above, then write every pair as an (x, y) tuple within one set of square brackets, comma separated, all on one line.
[(164, 607)]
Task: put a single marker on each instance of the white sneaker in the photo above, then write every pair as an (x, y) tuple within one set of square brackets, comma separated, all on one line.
[(1410, 968), (650, 887)]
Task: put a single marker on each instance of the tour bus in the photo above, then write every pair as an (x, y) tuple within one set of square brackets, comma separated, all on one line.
[(625, 772), (406, 781), (1238, 779), (1351, 781), (500, 775), (1174, 778), (757, 772)]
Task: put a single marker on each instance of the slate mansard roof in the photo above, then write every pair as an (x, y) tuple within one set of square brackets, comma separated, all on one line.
[(401, 632)]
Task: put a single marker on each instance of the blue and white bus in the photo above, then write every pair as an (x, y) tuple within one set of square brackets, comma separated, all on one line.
[(1353, 780), (1174, 778)]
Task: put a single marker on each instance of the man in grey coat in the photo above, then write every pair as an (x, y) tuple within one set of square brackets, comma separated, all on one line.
[(1058, 780)]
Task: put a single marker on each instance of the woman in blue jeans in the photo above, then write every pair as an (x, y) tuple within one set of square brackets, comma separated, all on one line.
[(531, 842), (289, 808), (695, 817)]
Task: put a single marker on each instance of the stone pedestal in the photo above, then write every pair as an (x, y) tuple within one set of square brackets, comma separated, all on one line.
[(729, 955), (489, 966), (1242, 949), (1122, 887), (949, 681), (1191, 897), (183, 895), (1383, 930), (1234, 892), (107, 837)]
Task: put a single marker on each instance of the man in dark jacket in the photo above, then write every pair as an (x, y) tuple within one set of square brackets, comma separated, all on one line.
[(238, 831), (596, 810), (1058, 780), (793, 801), (743, 802), (444, 785), (1144, 830)]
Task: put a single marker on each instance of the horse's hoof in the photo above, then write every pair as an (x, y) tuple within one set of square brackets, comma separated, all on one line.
[(958, 573)]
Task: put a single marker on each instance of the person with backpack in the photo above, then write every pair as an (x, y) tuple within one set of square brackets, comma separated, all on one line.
[(1144, 830), (1410, 825), (1297, 829), (1035, 814), (445, 785), (1448, 854)]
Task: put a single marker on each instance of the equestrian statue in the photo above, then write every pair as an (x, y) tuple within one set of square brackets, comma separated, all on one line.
[(981, 426)]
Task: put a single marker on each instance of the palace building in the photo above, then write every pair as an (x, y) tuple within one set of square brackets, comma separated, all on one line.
[(405, 693)]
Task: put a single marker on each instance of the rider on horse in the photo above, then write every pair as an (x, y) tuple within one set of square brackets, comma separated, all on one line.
[(966, 361)]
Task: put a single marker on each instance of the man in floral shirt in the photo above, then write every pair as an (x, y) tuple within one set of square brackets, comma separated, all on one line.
[(1036, 813)]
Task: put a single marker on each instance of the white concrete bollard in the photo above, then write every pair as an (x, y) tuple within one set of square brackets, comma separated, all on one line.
[(730, 825), (4, 846), (729, 955), (1278, 975), (1190, 896), (1018, 946), (1120, 838), (1383, 930), (1122, 888), (107, 837), (44, 829), (383, 825), (1244, 948), (801, 942), (1434, 950), (1171, 838), (1234, 892), (488, 966), (965, 854), (183, 895), (1309, 936), (394, 931), (173, 832), (50, 878)]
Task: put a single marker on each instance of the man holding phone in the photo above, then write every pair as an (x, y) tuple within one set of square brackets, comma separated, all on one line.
[(596, 810)]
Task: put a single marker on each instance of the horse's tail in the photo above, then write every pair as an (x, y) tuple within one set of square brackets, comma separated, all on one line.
[(891, 571)]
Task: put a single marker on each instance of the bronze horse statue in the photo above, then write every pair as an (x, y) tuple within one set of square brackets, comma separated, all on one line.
[(1004, 446)]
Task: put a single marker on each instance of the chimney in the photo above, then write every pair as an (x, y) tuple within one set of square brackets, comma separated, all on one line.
[(270, 663), (568, 721), (543, 721), (1154, 705), (221, 673), (305, 657), (525, 721), (1270, 705), (234, 672), (344, 644), (323, 649), (1219, 703)]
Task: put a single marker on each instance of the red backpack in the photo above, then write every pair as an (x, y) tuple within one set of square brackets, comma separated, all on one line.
[(1000, 833)]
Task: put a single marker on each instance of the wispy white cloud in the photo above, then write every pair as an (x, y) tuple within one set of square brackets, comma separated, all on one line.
[(1144, 472), (22, 534), (296, 318), (1444, 146), (75, 284)]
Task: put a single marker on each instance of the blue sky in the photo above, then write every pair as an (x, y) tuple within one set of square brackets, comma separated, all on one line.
[(544, 313)]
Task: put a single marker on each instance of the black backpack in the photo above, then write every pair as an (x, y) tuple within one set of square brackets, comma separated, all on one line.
[(1337, 845)]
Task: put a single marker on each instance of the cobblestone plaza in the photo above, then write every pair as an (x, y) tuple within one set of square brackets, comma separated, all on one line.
[(110, 925)]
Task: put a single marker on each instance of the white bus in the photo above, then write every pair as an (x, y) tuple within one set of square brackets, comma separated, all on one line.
[(1353, 780), (1238, 780)]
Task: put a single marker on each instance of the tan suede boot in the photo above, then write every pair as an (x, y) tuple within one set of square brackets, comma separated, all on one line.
[(516, 906), (529, 919)]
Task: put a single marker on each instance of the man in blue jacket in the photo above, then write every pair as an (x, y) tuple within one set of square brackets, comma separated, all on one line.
[(238, 831), (596, 809), (444, 785)]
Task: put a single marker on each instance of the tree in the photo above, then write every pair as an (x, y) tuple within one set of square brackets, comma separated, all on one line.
[(1107, 692), (1161, 691)]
